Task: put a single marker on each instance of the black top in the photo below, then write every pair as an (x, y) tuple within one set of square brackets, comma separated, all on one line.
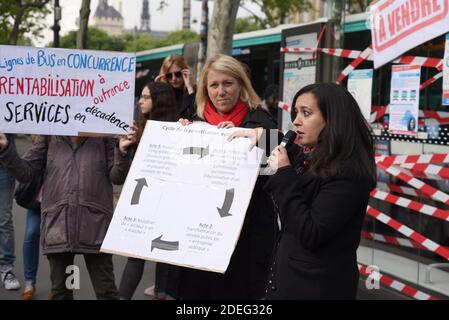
[(185, 104), (321, 223)]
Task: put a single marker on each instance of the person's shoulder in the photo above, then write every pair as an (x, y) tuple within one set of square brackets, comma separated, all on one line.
[(261, 117)]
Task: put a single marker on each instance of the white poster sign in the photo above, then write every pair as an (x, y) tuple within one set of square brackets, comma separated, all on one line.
[(398, 26), (185, 197), (65, 92), (299, 71), (360, 83), (446, 73), (404, 99)]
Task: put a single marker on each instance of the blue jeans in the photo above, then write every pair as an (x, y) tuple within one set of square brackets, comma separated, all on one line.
[(7, 256), (31, 246)]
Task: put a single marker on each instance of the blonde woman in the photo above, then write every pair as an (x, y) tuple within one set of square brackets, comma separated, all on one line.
[(177, 74), (226, 98)]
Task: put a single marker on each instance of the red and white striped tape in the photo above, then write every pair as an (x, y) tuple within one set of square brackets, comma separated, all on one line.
[(411, 204), (353, 54), (397, 285), (427, 168), (389, 187), (431, 80), (354, 64), (403, 242), (418, 184), (427, 171), (410, 233), (419, 158)]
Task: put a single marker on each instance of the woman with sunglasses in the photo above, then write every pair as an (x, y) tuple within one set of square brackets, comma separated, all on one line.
[(177, 74)]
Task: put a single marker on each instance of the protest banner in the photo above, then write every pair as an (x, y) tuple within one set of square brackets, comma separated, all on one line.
[(185, 198), (65, 92), (398, 26)]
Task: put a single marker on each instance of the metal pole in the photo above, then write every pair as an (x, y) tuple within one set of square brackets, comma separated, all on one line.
[(203, 39), (56, 27)]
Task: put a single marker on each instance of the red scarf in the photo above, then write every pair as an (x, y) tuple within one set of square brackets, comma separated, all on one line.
[(236, 115)]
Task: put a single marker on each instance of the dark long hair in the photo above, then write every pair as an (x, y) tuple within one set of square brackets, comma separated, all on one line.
[(164, 105), (346, 135)]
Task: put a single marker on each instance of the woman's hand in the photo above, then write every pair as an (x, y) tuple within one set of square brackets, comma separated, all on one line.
[(278, 158), (160, 78), (225, 125), (186, 76), (3, 141), (253, 135), (128, 140), (184, 122)]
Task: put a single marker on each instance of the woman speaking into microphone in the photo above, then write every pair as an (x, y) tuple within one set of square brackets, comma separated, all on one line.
[(320, 190)]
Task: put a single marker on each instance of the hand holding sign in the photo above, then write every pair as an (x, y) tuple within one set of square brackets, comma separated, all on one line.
[(3, 141), (128, 140)]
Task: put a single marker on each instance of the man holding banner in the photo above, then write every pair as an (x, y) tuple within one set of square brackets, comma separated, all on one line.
[(77, 202)]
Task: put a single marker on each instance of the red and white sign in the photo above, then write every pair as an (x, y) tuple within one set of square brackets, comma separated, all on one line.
[(398, 26)]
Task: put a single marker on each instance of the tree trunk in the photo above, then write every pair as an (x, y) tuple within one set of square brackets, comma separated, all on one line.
[(81, 37), (14, 36), (221, 28)]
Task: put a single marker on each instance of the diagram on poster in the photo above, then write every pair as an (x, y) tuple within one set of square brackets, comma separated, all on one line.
[(185, 197)]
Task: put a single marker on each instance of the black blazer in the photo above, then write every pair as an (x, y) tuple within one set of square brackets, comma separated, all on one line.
[(321, 223)]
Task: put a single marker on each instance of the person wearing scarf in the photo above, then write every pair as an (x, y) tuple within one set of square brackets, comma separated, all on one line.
[(226, 98)]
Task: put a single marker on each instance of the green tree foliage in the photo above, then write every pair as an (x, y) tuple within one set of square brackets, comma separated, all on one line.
[(276, 11), (96, 40), (247, 25), (100, 40), (22, 21)]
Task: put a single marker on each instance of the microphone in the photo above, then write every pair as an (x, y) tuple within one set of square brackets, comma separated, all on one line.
[(288, 139)]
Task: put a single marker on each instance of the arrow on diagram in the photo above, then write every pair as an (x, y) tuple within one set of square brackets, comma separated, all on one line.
[(164, 245), (224, 210), (202, 152), (142, 182)]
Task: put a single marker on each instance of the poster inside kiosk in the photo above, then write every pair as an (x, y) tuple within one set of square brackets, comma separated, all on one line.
[(185, 197), (65, 92)]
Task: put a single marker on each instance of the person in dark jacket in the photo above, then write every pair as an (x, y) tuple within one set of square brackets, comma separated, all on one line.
[(227, 99), (157, 102), (77, 201), (177, 74), (7, 250), (321, 190)]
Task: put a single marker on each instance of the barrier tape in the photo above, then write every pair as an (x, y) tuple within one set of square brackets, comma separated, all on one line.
[(397, 285), (409, 233), (410, 204), (428, 168), (353, 54), (401, 189), (403, 242), (418, 184), (354, 64), (420, 174), (420, 158), (431, 80)]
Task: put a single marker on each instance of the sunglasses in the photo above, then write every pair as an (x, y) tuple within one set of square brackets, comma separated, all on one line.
[(177, 74)]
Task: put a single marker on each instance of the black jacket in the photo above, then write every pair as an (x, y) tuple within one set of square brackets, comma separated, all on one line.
[(321, 223), (247, 273), (185, 104)]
